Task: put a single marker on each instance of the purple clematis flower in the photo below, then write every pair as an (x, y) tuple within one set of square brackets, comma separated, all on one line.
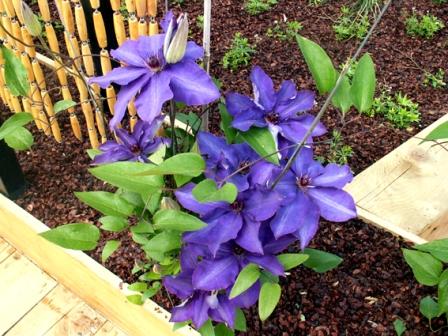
[(223, 160), (136, 146), (279, 111), (148, 76), (240, 220), (310, 190)]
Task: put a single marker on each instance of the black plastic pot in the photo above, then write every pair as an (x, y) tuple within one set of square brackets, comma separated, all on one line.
[(12, 181)]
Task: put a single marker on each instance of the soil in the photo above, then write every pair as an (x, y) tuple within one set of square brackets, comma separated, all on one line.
[(373, 286)]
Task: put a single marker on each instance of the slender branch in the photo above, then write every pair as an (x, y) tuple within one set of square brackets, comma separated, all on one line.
[(330, 96)]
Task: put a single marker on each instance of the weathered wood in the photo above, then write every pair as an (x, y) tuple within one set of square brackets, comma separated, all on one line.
[(405, 192), (23, 285), (108, 329), (87, 279), (5, 250), (46, 313)]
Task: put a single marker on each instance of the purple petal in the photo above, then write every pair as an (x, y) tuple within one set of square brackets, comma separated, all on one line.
[(225, 311), (248, 238), (303, 101), (191, 85), (195, 309), (215, 274), (262, 173), (190, 255), (185, 197), (179, 285), (244, 120), (269, 263), (308, 226), (303, 161), (262, 204), (222, 229), (124, 97), (334, 176), (287, 91), (248, 298), (287, 187), (154, 94), (127, 53), (334, 204), (211, 145), (150, 46), (119, 154), (193, 52), (295, 129), (263, 88), (126, 139), (165, 22), (121, 76), (279, 245)]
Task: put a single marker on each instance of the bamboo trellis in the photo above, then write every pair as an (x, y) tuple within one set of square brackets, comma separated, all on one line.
[(84, 27)]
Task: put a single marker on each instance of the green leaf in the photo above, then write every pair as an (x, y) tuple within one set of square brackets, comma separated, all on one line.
[(163, 242), (191, 119), (261, 141), (240, 321), (138, 287), (222, 330), (319, 64), (425, 267), (21, 139), (76, 236), (206, 191), (16, 75), (124, 175), (321, 261), (180, 325), (429, 308), (107, 203), (14, 122), (443, 292), (187, 164), (142, 227), (269, 297), (291, 260), (181, 180), (399, 327), (342, 98), (438, 248), (110, 247), (440, 132), (63, 105), (93, 152), (247, 277), (266, 276), (226, 123), (135, 299), (113, 224), (170, 219), (207, 329), (363, 84)]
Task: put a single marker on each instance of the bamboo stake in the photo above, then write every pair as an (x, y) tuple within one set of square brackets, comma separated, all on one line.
[(74, 122), (206, 38), (44, 10), (88, 115), (152, 8), (120, 31), (100, 29), (48, 105)]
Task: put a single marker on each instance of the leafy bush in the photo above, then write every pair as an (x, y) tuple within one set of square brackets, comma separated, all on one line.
[(400, 110), (349, 26), (255, 7), (240, 53), (425, 26), (285, 31), (339, 152), (439, 2), (435, 80), (316, 2)]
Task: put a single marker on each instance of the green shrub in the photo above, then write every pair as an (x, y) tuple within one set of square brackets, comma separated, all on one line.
[(435, 80), (255, 7), (200, 22), (349, 26), (440, 2), (400, 110), (285, 31), (339, 152), (239, 54), (316, 2), (425, 26)]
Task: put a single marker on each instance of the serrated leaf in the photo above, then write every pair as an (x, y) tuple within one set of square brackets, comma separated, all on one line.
[(429, 308), (20, 139), (109, 248), (364, 84), (269, 296), (76, 236), (247, 277), (16, 76), (63, 105), (261, 141), (321, 261), (170, 219), (107, 203), (438, 248), (292, 260), (14, 122), (425, 267), (187, 164), (113, 224), (440, 132), (319, 64), (206, 191)]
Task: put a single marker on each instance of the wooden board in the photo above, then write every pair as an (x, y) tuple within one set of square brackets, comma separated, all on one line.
[(87, 279), (108, 329), (5, 250), (23, 285), (405, 192), (52, 308)]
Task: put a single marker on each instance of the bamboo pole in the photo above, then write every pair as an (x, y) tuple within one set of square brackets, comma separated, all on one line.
[(206, 42)]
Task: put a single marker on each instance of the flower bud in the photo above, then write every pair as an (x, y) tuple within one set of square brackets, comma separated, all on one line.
[(169, 203), (175, 46), (31, 20)]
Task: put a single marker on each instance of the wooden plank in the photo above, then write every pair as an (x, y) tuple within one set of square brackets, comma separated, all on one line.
[(87, 279), (81, 321), (46, 313), (405, 188), (108, 329), (5, 250), (23, 285), (438, 229)]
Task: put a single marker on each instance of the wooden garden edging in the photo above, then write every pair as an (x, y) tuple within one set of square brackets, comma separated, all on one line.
[(87, 279), (406, 191)]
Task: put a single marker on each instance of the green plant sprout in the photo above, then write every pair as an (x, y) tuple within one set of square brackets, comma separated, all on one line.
[(425, 26), (399, 109), (285, 31), (435, 80), (351, 25), (255, 7), (240, 53)]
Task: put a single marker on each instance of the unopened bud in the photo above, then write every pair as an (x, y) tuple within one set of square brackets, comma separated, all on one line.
[(169, 203), (175, 46), (31, 20), (157, 269)]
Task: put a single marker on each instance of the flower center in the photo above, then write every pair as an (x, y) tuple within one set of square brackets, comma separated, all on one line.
[(237, 206), (135, 149), (303, 181), (273, 118), (244, 166), (154, 64)]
